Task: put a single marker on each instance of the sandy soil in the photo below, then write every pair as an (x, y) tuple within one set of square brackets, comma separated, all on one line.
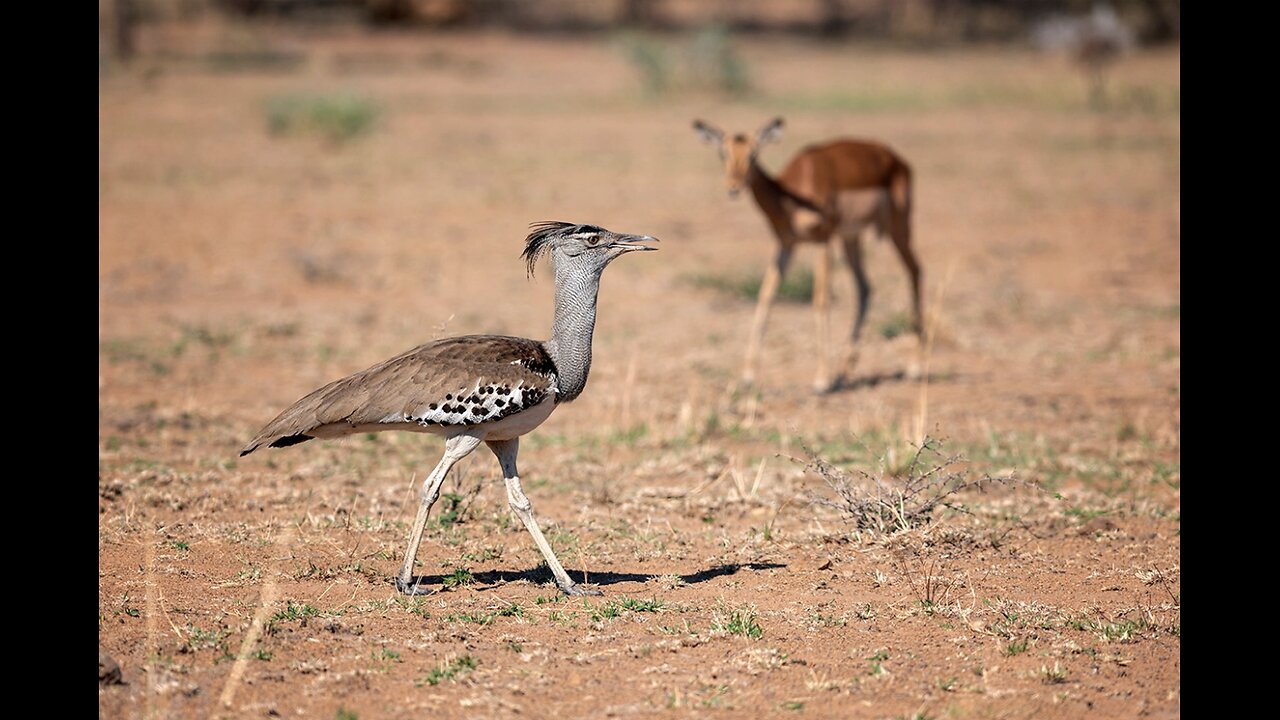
[(239, 270)]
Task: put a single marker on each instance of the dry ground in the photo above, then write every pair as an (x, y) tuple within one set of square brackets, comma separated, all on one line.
[(240, 269)]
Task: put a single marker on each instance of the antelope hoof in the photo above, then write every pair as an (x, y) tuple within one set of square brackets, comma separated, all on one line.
[(577, 590), (409, 587)]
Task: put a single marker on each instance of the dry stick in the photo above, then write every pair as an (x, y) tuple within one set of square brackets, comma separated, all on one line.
[(738, 487), (922, 410), (265, 601), (778, 511), (755, 485), (708, 483)]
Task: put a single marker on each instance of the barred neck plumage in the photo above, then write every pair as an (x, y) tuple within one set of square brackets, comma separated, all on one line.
[(575, 322)]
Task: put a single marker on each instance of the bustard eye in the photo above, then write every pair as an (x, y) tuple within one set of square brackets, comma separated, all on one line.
[(593, 240)]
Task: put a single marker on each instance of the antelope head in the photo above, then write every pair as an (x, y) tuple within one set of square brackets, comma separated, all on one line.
[(738, 151)]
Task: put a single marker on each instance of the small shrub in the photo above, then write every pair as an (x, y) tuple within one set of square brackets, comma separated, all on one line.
[(709, 62), (887, 502), (650, 59), (714, 63), (336, 117)]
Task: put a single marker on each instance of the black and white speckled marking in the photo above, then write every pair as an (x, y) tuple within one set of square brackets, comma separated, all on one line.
[(486, 402)]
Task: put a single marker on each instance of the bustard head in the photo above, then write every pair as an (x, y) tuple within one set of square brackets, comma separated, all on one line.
[(738, 151), (582, 250)]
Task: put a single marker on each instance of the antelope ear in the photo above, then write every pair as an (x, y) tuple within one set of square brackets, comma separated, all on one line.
[(770, 133), (710, 134)]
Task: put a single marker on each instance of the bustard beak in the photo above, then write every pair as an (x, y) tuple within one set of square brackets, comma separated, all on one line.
[(631, 243)]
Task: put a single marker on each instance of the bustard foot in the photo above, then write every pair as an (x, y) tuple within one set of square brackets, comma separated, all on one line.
[(822, 387), (576, 590), (411, 587)]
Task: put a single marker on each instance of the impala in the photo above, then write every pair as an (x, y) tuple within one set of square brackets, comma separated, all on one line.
[(829, 192)]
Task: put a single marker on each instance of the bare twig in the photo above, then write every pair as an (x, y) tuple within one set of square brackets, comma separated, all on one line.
[(886, 504)]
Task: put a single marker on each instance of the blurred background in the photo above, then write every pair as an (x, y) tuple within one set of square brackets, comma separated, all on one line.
[(315, 185), (908, 21)]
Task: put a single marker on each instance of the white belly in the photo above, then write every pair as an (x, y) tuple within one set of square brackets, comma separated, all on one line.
[(514, 426), (860, 208)]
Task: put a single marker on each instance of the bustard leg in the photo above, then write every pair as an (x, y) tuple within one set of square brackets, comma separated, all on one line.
[(506, 450), (455, 448)]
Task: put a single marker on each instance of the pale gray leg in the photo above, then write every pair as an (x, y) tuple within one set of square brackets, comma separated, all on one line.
[(506, 450), (455, 448)]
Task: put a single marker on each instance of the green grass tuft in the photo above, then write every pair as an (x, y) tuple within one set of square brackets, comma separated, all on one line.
[(458, 578), (738, 622), (450, 670), (295, 612), (1017, 647), (796, 286), (337, 117), (899, 324)]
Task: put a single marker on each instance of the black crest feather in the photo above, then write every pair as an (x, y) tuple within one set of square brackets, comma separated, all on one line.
[(539, 240)]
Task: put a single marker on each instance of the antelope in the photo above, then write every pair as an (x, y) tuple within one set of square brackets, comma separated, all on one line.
[(828, 192)]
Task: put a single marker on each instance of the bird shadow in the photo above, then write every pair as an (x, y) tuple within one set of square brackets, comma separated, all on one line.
[(493, 578)]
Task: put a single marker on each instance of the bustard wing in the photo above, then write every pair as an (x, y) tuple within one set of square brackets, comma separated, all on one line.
[(455, 382)]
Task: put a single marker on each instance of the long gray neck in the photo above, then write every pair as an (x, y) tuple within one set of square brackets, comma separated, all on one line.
[(575, 321)]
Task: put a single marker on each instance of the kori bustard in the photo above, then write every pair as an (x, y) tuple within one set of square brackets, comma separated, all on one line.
[(475, 388)]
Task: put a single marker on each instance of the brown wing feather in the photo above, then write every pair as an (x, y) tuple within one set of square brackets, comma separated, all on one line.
[(458, 381)]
